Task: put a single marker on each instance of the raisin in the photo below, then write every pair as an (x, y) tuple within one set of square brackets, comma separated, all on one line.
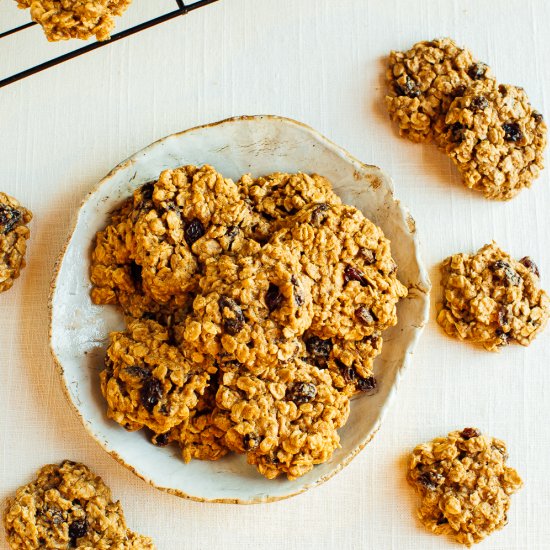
[(354, 274), (537, 116), (530, 265), (160, 440), (365, 385), (318, 214), (301, 392), (138, 372), (251, 441), (510, 275), (477, 71), (231, 233), (77, 529), (233, 319), (459, 91), (151, 393), (479, 103), (135, 274), (9, 218), (457, 132), (194, 230), (512, 132), (273, 297), (442, 520), (319, 350), (298, 296), (504, 337), (430, 480), (365, 315), (368, 256), (409, 88), (468, 433)]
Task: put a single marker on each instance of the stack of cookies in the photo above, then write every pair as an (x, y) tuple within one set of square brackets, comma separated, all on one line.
[(440, 92), (254, 312)]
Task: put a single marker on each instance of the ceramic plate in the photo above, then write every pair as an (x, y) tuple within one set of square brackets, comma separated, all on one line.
[(79, 330)]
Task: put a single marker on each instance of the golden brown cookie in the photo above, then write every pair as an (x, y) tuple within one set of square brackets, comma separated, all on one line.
[(423, 82), (65, 19), (14, 233), (495, 138), (492, 299), (147, 382), (285, 420), (67, 506), (464, 484)]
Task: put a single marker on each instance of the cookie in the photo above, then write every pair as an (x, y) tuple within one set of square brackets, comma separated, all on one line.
[(14, 233), (281, 195), (66, 19), (423, 82), (355, 287), (495, 139), (285, 420), (492, 299), (251, 310), (147, 382), (68, 506), (464, 484)]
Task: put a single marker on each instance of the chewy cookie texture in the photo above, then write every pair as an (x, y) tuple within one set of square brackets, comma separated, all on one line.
[(66, 19), (464, 484), (492, 299), (254, 312), (439, 92), (14, 233), (67, 506)]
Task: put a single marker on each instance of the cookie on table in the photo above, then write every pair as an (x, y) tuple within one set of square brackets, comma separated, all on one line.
[(495, 139), (492, 299), (67, 506), (355, 287), (66, 19), (14, 233), (285, 420), (147, 382), (464, 484), (281, 195), (423, 82)]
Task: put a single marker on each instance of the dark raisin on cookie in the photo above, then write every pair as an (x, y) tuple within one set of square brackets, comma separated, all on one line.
[(354, 274), (409, 88), (301, 392), (508, 272), (194, 230), (364, 315), (365, 385), (138, 372), (232, 314), (537, 116), (151, 393), (160, 440), (430, 480), (298, 295), (78, 529), (273, 297), (512, 132), (477, 71), (479, 103), (9, 218), (319, 350), (251, 441), (530, 265), (457, 132), (318, 214), (468, 433)]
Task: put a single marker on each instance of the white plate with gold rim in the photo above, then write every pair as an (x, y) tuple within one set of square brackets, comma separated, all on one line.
[(79, 329)]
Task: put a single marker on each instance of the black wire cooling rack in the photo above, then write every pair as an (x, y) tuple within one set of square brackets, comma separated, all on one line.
[(182, 7)]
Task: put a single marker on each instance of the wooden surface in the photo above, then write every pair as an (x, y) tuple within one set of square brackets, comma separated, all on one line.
[(320, 62)]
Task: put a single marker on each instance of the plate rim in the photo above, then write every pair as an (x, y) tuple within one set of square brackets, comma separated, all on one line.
[(424, 288)]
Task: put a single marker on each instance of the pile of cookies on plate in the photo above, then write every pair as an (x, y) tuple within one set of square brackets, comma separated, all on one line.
[(254, 311)]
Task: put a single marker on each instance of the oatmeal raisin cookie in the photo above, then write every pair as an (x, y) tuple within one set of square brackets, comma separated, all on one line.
[(496, 139), (423, 82), (14, 233), (67, 506), (492, 299), (464, 484)]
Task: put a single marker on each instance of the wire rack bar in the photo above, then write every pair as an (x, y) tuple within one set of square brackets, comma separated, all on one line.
[(182, 9)]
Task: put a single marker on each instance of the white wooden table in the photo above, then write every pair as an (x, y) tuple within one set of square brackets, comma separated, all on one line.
[(321, 62)]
